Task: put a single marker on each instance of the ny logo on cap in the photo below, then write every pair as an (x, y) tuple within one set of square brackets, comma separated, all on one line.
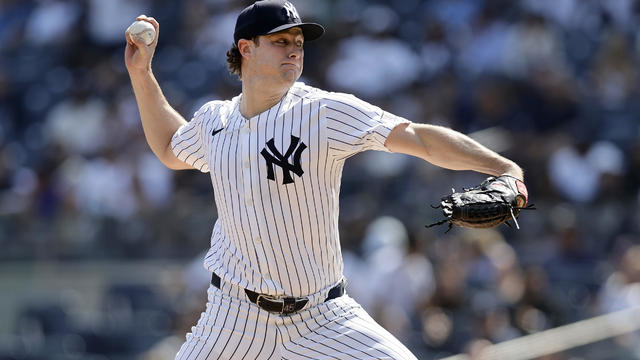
[(292, 13)]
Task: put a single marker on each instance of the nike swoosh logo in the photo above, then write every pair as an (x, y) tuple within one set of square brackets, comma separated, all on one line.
[(214, 132)]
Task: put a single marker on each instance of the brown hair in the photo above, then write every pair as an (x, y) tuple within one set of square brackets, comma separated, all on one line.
[(234, 58)]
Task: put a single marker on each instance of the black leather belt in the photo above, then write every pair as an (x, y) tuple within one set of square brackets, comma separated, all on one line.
[(283, 306)]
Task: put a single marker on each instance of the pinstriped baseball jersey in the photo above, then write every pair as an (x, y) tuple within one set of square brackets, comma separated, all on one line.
[(276, 180)]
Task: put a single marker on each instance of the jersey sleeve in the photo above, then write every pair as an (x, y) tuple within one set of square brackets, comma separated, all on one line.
[(189, 141), (354, 125)]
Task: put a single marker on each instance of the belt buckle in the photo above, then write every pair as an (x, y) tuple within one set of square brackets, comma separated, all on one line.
[(287, 305)]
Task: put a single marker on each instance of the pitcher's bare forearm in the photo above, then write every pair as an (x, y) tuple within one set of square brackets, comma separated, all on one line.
[(449, 149), (159, 120)]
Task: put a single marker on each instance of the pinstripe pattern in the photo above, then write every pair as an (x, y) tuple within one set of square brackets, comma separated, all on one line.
[(274, 238), (233, 328), (338, 329), (276, 179)]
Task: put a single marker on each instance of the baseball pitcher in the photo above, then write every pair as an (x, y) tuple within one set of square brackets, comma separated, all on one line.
[(275, 154)]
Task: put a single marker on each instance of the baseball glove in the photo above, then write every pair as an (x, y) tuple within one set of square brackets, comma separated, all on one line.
[(495, 201)]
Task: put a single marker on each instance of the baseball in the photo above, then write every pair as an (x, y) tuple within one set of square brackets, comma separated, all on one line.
[(142, 29)]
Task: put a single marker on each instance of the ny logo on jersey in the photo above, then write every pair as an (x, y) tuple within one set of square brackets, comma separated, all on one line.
[(291, 12), (274, 157)]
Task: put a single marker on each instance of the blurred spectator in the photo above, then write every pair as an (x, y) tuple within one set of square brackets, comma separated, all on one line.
[(104, 187), (485, 49), (534, 45), (615, 74), (156, 181), (622, 288), (355, 70), (405, 280), (78, 124), (106, 19), (576, 172), (435, 53), (52, 21)]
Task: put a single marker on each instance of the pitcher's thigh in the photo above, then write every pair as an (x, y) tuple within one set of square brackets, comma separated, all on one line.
[(229, 330), (341, 329)]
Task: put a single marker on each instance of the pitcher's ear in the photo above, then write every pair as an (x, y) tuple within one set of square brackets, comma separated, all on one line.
[(245, 47)]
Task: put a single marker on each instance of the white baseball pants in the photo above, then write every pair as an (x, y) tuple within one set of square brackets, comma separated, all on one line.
[(232, 327)]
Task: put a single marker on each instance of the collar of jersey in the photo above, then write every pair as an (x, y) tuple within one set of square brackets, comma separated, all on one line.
[(238, 98)]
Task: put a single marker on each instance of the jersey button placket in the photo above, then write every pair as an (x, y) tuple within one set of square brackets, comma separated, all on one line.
[(246, 163), (245, 158)]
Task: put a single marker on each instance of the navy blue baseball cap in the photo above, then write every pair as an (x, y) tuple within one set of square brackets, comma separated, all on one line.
[(270, 16)]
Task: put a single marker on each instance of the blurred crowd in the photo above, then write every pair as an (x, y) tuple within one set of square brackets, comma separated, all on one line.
[(551, 84)]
